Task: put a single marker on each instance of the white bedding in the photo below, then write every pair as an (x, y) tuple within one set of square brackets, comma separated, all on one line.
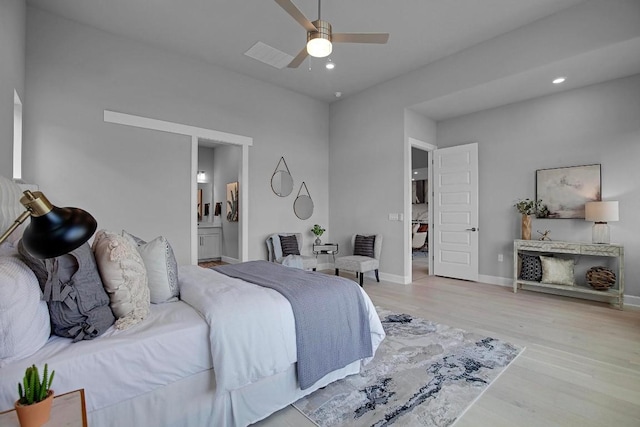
[(252, 334), (169, 345)]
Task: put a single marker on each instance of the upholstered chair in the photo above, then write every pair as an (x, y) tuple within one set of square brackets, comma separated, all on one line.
[(365, 258), (276, 254)]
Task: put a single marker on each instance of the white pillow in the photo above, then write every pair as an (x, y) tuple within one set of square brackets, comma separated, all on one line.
[(161, 265), (24, 317), (557, 271), (124, 277)]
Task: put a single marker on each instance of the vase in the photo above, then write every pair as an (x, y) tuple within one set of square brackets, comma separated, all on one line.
[(35, 415), (318, 241), (526, 227)]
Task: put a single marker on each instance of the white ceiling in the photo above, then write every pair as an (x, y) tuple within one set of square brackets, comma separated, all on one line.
[(421, 31)]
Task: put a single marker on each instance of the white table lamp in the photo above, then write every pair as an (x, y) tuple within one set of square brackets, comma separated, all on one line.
[(601, 213)]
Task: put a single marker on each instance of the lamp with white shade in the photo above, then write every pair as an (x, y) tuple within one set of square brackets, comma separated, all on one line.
[(601, 213)]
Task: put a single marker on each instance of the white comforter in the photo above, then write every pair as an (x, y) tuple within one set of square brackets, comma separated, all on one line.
[(252, 330)]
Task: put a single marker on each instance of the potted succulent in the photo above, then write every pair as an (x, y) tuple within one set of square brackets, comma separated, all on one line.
[(34, 406), (318, 231), (527, 208)]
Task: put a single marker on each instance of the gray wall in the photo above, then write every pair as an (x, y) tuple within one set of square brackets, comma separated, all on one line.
[(367, 136), (139, 179), (13, 23), (595, 124)]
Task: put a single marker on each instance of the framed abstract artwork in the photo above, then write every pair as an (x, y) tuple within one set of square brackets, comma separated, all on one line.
[(566, 190)]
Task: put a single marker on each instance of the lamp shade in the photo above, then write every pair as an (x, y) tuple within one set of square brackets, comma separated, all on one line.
[(54, 231), (601, 211)]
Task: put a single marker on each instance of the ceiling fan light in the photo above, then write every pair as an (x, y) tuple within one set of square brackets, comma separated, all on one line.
[(319, 42), (319, 47)]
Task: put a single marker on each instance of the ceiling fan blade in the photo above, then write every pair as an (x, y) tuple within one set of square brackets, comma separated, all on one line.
[(295, 13), (295, 63), (380, 38)]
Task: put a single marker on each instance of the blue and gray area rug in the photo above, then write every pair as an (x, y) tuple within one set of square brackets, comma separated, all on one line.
[(423, 374)]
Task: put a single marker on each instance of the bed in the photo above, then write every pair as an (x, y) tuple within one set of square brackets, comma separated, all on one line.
[(162, 371)]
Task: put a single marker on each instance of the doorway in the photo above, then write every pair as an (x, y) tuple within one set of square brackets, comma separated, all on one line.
[(420, 190), (419, 257)]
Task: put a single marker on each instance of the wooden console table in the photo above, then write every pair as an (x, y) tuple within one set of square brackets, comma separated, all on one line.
[(616, 292)]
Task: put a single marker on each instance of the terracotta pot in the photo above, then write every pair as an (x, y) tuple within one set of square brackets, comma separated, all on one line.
[(35, 415), (526, 227)]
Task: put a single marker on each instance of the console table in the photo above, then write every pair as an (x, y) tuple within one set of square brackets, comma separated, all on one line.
[(615, 293)]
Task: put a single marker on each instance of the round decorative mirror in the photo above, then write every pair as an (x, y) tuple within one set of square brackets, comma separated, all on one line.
[(282, 183), (281, 180), (303, 207)]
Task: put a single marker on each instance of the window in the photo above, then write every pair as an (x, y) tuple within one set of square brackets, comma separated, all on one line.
[(17, 136)]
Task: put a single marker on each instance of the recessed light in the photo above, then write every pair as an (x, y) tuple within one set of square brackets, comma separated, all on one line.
[(338, 94), (415, 173), (559, 80), (330, 65)]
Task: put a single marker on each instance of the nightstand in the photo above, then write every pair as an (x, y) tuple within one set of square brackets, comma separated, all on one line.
[(326, 249), (67, 410)]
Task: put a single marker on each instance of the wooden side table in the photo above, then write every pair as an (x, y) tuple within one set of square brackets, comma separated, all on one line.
[(67, 410)]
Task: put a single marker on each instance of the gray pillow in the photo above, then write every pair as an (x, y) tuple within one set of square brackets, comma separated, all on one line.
[(530, 267), (364, 246), (289, 245), (71, 284)]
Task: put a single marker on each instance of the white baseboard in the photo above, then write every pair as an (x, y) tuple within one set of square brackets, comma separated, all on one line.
[(230, 260), (393, 278), (630, 300)]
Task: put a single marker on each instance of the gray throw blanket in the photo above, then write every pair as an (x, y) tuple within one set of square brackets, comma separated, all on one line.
[(332, 325)]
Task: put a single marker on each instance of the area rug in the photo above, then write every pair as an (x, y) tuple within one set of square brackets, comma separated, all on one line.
[(423, 374)]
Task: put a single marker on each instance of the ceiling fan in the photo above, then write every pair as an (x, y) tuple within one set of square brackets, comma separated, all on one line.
[(320, 37)]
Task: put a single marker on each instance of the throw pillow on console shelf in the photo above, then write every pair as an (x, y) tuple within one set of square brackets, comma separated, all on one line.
[(557, 271), (530, 267)]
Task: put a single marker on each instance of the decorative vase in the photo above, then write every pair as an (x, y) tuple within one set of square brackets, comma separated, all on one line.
[(318, 241), (526, 227), (35, 415)]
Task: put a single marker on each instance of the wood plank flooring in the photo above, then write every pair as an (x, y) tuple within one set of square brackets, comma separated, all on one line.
[(581, 366)]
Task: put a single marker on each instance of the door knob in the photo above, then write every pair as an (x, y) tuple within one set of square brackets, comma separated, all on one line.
[(472, 229)]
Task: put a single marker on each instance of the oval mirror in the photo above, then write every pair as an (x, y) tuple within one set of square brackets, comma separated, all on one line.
[(303, 207), (282, 183)]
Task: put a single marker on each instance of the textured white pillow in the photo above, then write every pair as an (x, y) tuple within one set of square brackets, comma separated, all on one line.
[(557, 271), (124, 277), (24, 317), (162, 269)]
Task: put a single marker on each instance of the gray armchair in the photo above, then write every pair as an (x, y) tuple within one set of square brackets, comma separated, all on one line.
[(275, 251), (360, 264)]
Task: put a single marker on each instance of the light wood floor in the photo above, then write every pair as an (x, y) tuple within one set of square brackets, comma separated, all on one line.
[(581, 366)]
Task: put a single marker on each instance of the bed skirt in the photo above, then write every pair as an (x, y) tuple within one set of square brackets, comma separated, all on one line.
[(191, 402)]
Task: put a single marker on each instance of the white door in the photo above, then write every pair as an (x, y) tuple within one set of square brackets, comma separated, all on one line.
[(455, 212)]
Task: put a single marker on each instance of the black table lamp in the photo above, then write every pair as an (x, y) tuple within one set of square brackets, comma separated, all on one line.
[(53, 231)]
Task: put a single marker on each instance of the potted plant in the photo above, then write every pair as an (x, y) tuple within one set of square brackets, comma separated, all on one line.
[(34, 406), (318, 231), (527, 208)]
